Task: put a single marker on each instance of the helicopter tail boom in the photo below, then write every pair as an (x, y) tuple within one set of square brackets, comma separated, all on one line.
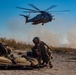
[(25, 16)]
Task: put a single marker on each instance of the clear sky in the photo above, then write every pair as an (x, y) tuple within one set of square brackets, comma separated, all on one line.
[(13, 26)]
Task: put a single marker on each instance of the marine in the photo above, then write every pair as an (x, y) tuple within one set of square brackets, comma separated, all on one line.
[(41, 53)]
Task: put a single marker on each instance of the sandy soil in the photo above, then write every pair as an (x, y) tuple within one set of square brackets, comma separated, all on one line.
[(63, 64)]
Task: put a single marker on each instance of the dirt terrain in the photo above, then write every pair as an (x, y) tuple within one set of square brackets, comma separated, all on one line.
[(63, 64)]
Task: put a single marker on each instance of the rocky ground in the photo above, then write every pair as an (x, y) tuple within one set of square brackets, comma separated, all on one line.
[(63, 64)]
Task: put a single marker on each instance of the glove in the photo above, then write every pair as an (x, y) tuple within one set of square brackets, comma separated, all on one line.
[(51, 57)]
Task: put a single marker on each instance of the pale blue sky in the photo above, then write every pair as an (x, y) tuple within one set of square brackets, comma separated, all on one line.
[(13, 26)]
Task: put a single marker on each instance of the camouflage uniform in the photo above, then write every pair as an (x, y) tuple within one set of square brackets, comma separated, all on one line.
[(3, 50), (39, 51), (6, 51)]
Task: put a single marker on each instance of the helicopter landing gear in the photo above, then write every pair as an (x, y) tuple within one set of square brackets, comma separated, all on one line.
[(42, 23)]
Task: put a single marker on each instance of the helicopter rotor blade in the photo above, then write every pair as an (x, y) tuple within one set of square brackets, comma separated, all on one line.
[(31, 11), (60, 11), (25, 8), (34, 7), (51, 7)]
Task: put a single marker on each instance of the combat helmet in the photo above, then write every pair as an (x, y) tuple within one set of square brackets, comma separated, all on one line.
[(36, 40)]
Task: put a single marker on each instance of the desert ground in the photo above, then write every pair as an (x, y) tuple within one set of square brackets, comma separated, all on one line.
[(63, 64)]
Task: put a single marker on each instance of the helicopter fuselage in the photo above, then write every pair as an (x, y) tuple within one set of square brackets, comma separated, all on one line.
[(40, 18), (43, 17)]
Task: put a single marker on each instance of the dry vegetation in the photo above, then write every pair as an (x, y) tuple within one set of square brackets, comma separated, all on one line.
[(23, 46), (64, 50), (14, 44)]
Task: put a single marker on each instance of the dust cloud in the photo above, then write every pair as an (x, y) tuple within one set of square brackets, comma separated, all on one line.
[(21, 32), (47, 36), (72, 38)]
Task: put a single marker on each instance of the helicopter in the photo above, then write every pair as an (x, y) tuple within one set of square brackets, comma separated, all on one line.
[(43, 17)]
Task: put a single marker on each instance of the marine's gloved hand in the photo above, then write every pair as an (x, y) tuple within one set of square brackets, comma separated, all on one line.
[(51, 57)]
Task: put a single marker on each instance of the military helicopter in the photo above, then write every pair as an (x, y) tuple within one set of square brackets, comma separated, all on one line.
[(43, 17)]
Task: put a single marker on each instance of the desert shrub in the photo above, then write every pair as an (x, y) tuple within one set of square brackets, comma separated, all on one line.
[(15, 44), (63, 50)]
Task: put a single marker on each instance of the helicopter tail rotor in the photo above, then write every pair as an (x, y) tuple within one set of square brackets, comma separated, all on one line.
[(26, 17)]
